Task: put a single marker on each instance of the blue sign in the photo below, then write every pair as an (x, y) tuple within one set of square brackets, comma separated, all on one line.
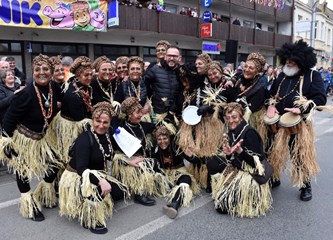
[(207, 3), (211, 47), (207, 16)]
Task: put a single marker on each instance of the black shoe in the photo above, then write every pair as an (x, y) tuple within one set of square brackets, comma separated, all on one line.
[(146, 201), (275, 183), (99, 230), (170, 211), (38, 216), (221, 211), (306, 193), (209, 190)]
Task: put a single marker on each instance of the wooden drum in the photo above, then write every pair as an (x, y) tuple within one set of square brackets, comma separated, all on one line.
[(272, 123), (291, 121)]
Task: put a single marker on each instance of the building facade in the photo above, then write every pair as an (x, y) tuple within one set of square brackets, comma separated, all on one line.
[(262, 28)]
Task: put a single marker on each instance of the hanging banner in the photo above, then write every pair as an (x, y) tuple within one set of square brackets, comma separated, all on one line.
[(113, 16), (89, 15)]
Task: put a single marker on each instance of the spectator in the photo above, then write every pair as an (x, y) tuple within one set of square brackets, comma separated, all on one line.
[(194, 12), (67, 62), (4, 65), (236, 21), (12, 63), (189, 12), (182, 11)]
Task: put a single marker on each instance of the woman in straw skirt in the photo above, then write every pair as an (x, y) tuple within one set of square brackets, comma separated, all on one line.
[(76, 108), (140, 171), (27, 145), (86, 191), (204, 139), (184, 186), (298, 91), (235, 191)]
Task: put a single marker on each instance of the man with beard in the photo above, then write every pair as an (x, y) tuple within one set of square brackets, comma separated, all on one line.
[(164, 86), (295, 94)]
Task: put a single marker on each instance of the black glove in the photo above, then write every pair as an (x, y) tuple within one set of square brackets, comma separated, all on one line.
[(308, 109), (10, 152), (203, 109)]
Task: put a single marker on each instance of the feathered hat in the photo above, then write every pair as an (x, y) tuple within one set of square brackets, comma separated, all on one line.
[(299, 52)]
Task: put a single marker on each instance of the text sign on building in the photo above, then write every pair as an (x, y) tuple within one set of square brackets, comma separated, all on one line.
[(211, 47), (303, 26), (207, 16), (207, 3), (113, 15), (206, 30)]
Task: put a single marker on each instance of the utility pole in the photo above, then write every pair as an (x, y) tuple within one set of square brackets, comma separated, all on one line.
[(313, 22)]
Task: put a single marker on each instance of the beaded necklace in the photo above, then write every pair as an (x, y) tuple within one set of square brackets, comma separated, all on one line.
[(106, 156), (86, 96), (107, 93), (47, 105), (246, 89), (277, 97), (137, 91), (130, 126)]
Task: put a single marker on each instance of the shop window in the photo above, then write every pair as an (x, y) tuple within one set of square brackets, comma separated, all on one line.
[(4, 47), (16, 47), (170, 8)]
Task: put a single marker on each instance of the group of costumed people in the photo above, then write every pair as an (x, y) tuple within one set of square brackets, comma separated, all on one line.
[(65, 133)]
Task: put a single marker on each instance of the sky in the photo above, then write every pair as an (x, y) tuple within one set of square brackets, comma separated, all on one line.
[(329, 2)]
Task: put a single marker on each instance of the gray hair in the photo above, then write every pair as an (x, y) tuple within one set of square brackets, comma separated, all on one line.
[(67, 61), (3, 75)]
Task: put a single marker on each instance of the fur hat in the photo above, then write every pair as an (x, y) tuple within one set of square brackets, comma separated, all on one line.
[(161, 130), (164, 43), (99, 61), (300, 53), (188, 72), (205, 58), (233, 106), (55, 60), (258, 60), (129, 105), (215, 65), (102, 107), (80, 63), (42, 59), (135, 59), (122, 60)]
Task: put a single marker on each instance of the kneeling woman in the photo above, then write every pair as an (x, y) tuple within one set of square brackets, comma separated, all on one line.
[(84, 186), (183, 184), (235, 191)]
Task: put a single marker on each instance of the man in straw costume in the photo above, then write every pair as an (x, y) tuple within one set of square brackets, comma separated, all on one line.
[(235, 190), (297, 92), (26, 141), (184, 186), (138, 172), (85, 188)]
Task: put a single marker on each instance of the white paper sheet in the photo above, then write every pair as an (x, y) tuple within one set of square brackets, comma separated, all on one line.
[(128, 143)]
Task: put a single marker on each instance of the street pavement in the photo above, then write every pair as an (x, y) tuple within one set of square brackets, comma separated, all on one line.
[(289, 219)]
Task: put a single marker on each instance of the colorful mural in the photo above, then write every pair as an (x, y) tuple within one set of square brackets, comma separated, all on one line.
[(89, 15)]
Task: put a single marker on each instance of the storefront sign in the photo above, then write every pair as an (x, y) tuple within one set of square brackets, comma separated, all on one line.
[(211, 47), (89, 15), (207, 3), (206, 30)]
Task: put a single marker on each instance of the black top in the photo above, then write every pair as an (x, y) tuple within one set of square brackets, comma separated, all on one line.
[(6, 97), (133, 89), (110, 88), (255, 91), (25, 109), (313, 89), (140, 131), (87, 154), (252, 142), (73, 106)]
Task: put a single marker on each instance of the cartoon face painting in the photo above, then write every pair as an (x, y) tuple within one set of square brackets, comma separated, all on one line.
[(98, 19), (60, 17), (81, 13)]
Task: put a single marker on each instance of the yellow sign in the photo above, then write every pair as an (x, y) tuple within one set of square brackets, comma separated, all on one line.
[(89, 15)]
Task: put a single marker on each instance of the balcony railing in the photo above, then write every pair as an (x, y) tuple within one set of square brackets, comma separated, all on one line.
[(132, 18)]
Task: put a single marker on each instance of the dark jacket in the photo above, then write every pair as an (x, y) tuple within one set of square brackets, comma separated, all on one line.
[(164, 87), (130, 91), (6, 97), (313, 89), (100, 95)]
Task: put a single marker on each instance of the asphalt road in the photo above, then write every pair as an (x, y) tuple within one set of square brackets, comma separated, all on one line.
[(290, 218)]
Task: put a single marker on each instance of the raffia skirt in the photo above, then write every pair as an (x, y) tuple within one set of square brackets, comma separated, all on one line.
[(78, 198), (33, 158), (140, 181), (237, 192), (64, 133)]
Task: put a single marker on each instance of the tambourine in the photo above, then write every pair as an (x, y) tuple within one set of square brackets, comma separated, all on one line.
[(190, 115), (291, 121)]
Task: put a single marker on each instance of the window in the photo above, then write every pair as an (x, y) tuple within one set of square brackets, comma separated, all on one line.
[(14, 49), (114, 51), (258, 26), (270, 28), (247, 23), (53, 49), (299, 17), (329, 41), (170, 8)]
